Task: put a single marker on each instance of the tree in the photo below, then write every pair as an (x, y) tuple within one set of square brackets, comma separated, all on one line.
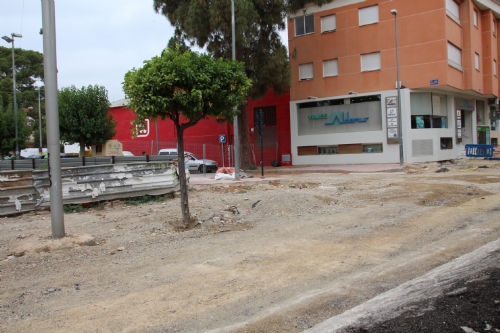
[(185, 87), (258, 44), (29, 70), (83, 116), (177, 41), (8, 131)]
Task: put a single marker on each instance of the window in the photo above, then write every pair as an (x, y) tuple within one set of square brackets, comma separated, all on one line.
[(495, 67), (368, 15), (494, 27), (428, 110), (476, 61), (475, 18), (454, 56), (330, 68), (328, 23), (370, 61), (453, 10), (306, 71), (304, 25), (269, 115)]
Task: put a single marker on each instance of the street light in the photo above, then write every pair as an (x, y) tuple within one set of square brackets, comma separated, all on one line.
[(40, 150), (398, 85), (11, 41)]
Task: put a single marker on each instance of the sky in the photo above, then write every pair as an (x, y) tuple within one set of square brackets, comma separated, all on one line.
[(98, 41)]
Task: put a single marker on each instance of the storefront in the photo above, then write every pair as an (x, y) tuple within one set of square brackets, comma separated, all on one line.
[(436, 126)]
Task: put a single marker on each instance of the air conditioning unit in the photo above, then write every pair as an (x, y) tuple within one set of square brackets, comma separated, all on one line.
[(492, 101)]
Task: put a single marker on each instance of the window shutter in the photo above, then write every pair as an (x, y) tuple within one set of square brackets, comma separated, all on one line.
[(306, 71), (454, 54), (370, 61), (453, 8), (330, 67), (328, 23), (368, 15)]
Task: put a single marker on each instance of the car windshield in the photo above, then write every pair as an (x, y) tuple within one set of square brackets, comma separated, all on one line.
[(191, 156)]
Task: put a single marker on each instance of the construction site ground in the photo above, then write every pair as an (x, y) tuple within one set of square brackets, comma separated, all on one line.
[(279, 254)]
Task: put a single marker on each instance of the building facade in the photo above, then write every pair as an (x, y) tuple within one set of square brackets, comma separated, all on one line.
[(344, 106), (206, 135)]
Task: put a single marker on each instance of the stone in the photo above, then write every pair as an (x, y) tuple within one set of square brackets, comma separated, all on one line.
[(121, 248)]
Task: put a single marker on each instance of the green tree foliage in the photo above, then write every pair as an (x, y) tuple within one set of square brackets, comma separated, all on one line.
[(8, 131), (185, 87), (176, 41), (83, 116), (258, 44), (29, 70)]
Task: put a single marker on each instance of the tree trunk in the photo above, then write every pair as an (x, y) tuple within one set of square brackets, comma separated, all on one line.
[(244, 137), (82, 147), (186, 216)]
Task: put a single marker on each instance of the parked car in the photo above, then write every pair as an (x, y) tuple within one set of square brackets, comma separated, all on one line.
[(193, 162)]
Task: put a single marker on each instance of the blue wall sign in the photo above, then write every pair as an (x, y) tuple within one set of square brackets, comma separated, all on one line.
[(222, 138), (434, 82)]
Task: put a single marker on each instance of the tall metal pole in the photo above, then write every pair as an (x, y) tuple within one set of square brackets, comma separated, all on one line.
[(52, 116), (40, 150), (157, 139), (398, 84), (15, 100), (235, 121)]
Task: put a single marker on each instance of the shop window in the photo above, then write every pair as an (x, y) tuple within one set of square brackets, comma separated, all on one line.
[(329, 23), (370, 62), (330, 68), (306, 71), (304, 25), (453, 10), (454, 56), (368, 15), (373, 148), (428, 110), (446, 143), (327, 150)]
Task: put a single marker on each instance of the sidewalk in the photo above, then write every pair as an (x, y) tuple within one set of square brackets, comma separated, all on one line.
[(271, 173)]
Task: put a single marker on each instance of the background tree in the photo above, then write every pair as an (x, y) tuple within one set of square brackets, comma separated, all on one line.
[(185, 87), (83, 116), (176, 41), (258, 44), (8, 131), (29, 70)]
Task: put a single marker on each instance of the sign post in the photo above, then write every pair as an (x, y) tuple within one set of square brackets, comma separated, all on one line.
[(222, 140), (259, 123)]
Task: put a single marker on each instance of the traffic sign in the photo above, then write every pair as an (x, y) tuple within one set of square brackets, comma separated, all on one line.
[(222, 138)]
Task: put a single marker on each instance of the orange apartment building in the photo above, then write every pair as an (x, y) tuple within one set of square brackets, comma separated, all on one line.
[(344, 106)]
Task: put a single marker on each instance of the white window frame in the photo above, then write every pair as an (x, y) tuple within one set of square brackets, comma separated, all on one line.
[(454, 56), (495, 67), (304, 70), (303, 18), (370, 62), (332, 66), (453, 10), (368, 15), (476, 61), (329, 23), (476, 19)]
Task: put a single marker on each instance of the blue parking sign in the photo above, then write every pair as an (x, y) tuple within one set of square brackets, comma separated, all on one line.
[(222, 138)]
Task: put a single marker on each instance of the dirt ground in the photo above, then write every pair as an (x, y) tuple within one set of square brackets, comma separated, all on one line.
[(295, 252)]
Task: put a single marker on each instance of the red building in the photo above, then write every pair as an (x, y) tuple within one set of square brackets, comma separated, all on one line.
[(205, 134)]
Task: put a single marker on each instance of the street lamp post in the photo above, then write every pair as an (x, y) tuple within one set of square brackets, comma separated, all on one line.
[(11, 41), (235, 120), (40, 150), (398, 85)]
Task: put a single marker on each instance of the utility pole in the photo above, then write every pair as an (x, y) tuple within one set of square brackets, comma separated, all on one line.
[(52, 116), (235, 121), (260, 128)]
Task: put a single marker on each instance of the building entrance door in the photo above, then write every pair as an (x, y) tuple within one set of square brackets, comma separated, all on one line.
[(467, 137)]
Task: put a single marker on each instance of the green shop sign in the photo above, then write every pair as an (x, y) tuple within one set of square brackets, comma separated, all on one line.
[(338, 118)]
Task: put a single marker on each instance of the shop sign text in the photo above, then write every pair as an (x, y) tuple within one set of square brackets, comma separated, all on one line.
[(338, 118)]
